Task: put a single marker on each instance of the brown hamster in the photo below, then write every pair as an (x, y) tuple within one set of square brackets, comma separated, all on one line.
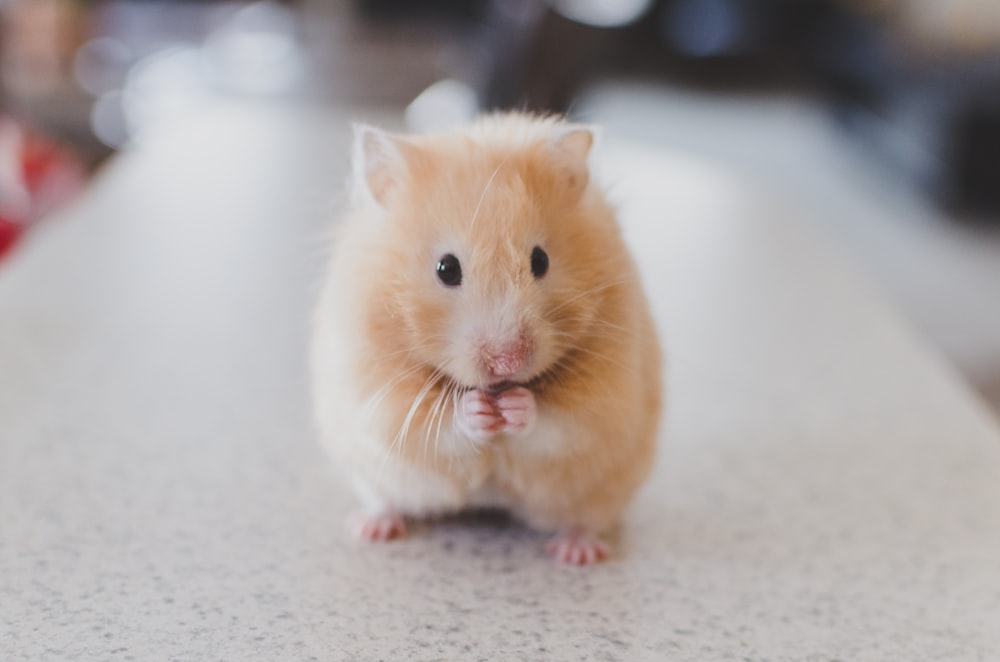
[(482, 337)]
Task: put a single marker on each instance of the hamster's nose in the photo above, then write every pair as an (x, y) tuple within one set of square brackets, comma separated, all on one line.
[(505, 359), (505, 363)]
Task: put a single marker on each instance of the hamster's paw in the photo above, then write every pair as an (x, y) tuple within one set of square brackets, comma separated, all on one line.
[(376, 527), (577, 547), (478, 416), (517, 408)]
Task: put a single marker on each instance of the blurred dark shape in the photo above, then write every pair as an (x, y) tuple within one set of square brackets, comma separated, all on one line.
[(931, 112), (934, 115), (977, 154), (704, 28), (460, 10), (537, 58), (921, 91)]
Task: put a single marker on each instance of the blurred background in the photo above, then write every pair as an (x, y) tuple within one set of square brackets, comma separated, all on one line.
[(878, 120)]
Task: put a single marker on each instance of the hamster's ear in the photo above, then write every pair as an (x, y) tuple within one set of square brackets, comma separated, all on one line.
[(570, 148), (379, 163)]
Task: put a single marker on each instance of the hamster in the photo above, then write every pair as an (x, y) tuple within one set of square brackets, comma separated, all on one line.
[(482, 337)]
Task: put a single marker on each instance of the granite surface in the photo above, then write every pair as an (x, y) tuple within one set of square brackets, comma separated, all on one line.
[(827, 488)]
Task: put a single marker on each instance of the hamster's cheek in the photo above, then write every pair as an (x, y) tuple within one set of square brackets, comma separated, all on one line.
[(550, 343), (429, 320), (456, 350), (574, 318), (457, 365)]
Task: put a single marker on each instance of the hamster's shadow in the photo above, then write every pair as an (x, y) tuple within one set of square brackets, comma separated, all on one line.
[(479, 523), (490, 528), (481, 531)]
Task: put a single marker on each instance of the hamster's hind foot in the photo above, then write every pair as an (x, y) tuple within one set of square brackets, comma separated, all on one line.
[(577, 547), (376, 527)]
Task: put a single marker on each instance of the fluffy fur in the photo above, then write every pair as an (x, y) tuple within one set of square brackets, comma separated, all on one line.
[(398, 358)]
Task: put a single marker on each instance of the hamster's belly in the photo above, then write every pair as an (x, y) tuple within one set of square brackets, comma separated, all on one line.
[(432, 485), (413, 490), (488, 495)]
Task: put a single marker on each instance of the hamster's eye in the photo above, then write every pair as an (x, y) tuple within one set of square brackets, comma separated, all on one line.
[(539, 262), (449, 270)]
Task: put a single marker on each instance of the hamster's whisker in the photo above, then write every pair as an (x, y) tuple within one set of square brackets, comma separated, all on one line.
[(454, 407), (445, 394), (589, 351), (444, 397), (431, 423), (406, 350), (435, 412), (427, 426), (404, 429), (376, 400), (489, 183), (417, 401), (380, 395), (604, 330), (569, 365), (598, 335), (456, 390), (601, 322), (592, 290)]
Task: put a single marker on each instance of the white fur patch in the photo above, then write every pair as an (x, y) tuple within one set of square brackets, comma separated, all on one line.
[(550, 436)]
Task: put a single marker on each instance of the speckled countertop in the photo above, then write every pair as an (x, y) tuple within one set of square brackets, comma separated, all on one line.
[(827, 488)]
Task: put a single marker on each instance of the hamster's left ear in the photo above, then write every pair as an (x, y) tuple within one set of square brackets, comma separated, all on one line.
[(570, 148)]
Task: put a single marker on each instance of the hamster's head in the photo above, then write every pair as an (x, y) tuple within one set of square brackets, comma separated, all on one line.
[(492, 252)]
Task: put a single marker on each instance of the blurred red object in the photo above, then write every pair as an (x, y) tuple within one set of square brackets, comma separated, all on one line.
[(36, 175), (8, 235)]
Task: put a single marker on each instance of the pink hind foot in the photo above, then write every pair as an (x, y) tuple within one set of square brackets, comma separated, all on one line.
[(377, 527), (577, 547)]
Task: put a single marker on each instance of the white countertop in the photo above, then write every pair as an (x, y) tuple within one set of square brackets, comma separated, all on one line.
[(827, 489)]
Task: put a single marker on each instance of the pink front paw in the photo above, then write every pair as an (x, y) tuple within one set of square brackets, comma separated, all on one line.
[(517, 409), (478, 416)]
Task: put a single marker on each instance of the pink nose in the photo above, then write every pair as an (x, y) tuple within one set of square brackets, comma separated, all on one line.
[(505, 364), (506, 359)]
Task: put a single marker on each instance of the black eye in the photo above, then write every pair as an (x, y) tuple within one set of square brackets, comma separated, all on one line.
[(449, 271), (539, 262)]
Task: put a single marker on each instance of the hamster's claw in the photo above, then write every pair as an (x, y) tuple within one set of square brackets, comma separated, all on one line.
[(377, 527), (577, 547)]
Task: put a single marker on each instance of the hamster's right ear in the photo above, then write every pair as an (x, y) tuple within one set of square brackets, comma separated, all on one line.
[(379, 163)]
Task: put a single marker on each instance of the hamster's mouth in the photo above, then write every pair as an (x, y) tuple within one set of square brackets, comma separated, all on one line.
[(530, 381), (533, 381), (499, 387), (494, 389)]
